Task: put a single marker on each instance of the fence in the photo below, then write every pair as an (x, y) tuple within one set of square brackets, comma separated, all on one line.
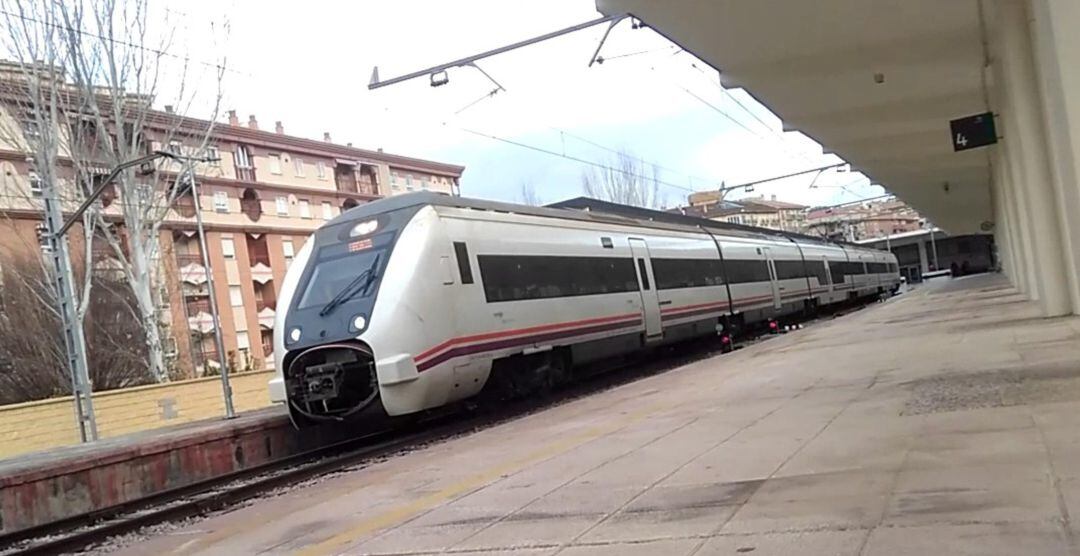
[(45, 424)]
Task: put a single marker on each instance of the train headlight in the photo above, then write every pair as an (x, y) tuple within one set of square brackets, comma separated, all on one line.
[(364, 228), (359, 323), (294, 335)]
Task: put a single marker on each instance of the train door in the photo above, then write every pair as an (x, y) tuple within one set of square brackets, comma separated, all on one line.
[(650, 301), (772, 277), (828, 274)]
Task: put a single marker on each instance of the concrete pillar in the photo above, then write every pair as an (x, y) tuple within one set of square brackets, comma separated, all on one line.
[(1026, 153), (924, 261), (1056, 46), (1016, 207), (1002, 227)]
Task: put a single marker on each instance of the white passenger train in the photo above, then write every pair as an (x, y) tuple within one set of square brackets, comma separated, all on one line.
[(419, 300)]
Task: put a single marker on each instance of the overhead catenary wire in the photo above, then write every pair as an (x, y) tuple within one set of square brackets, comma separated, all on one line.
[(625, 153), (573, 158)]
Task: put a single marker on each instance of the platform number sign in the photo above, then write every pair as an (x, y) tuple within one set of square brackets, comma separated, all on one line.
[(973, 131)]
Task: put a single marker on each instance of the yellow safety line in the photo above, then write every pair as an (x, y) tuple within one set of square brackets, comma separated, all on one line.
[(334, 544)]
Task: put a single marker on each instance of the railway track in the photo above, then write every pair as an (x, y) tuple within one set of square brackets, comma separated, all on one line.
[(83, 532)]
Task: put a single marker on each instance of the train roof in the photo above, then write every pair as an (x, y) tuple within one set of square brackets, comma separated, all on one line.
[(583, 209)]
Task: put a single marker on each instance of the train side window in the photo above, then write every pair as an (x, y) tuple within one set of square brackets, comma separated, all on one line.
[(687, 273), (837, 270), (519, 277), (461, 252), (644, 275), (741, 271)]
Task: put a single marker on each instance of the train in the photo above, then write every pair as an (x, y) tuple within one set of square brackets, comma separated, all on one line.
[(417, 301)]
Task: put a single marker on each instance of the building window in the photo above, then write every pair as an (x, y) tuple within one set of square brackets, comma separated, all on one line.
[(244, 169), (320, 169), (174, 147), (214, 155), (242, 341), (243, 157), (30, 128), (408, 181), (236, 296), (287, 250), (275, 163), (35, 184), (221, 201), (283, 206), (327, 210), (228, 248), (423, 183), (298, 164), (305, 208)]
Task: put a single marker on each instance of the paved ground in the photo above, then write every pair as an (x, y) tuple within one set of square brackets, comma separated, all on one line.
[(942, 422)]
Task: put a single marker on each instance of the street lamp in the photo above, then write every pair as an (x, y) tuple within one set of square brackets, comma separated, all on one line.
[(63, 280)]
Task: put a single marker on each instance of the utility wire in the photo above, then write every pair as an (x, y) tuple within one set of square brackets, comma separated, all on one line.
[(618, 152), (573, 158), (165, 53)]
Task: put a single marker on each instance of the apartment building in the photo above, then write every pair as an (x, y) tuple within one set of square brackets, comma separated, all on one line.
[(260, 201), (750, 211), (864, 219)]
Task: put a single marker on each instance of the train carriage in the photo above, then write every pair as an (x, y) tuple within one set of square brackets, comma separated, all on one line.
[(417, 301)]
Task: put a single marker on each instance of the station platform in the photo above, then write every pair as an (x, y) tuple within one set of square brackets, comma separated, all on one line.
[(943, 421), (45, 487)]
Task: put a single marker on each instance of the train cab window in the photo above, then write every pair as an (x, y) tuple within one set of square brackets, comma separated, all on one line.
[(461, 252), (644, 275)]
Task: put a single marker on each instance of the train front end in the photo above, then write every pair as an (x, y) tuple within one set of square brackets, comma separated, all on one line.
[(325, 368)]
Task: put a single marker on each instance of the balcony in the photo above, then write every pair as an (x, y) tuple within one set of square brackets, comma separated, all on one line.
[(244, 173), (345, 178), (196, 307), (266, 317), (251, 208), (184, 259), (207, 358), (250, 204), (191, 268), (199, 318), (184, 205)]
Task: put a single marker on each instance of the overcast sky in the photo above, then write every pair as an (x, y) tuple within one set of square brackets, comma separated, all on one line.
[(308, 65)]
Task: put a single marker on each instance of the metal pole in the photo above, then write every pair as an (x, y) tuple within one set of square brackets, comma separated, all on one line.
[(226, 388), (74, 340), (376, 83), (933, 247)]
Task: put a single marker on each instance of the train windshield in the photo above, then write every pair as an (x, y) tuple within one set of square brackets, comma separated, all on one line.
[(348, 276)]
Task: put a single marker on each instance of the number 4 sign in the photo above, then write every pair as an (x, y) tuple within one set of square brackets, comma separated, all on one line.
[(973, 131)]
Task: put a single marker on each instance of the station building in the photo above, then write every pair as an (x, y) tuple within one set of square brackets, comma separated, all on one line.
[(882, 84)]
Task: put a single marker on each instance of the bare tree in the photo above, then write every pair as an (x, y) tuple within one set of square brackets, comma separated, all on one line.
[(114, 70), (529, 196), (33, 364), (624, 180)]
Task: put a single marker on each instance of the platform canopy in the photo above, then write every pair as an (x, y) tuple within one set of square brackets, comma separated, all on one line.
[(874, 81)]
